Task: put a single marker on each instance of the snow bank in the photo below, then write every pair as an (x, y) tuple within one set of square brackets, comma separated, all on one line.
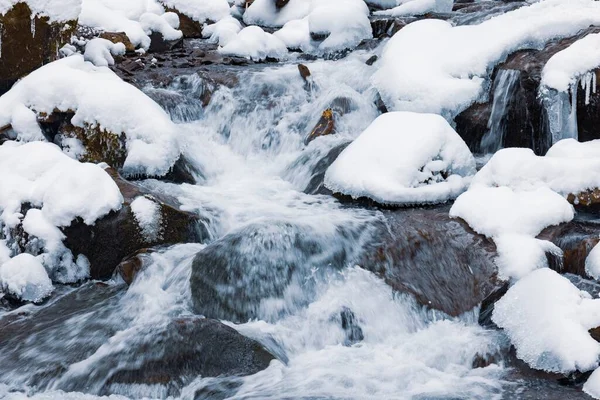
[(592, 263), (432, 66), (404, 158), (55, 10), (564, 69), (148, 216), (222, 32), (137, 18), (24, 277), (265, 13), (72, 84), (200, 10), (418, 7), (100, 52), (547, 319), (254, 43)]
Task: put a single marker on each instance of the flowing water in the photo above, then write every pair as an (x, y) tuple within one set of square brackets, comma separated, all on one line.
[(338, 331)]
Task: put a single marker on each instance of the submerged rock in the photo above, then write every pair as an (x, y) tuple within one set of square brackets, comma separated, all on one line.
[(325, 126), (27, 42), (119, 234)]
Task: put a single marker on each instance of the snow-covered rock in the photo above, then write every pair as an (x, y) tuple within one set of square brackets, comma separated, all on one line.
[(592, 263), (547, 319), (148, 216), (223, 31), (24, 277), (266, 13), (404, 158), (75, 86), (418, 7), (200, 10), (100, 52), (433, 66), (254, 43), (55, 10)]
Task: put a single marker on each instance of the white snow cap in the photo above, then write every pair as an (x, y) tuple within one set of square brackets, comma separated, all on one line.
[(547, 319), (148, 216), (564, 69), (265, 13), (200, 10), (254, 43), (79, 86), (222, 32), (418, 7), (100, 52), (432, 66), (24, 277), (55, 10), (404, 158)]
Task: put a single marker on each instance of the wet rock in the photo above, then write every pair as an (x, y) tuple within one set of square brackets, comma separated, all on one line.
[(588, 113), (354, 333), (159, 44), (440, 261), (372, 60), (118, 234), (316, 184), (119, 37), (385, 27), (190, 28), (304, 71), (281, 3), (588, 200), (242, 275), (185, 349), (325, 126), (132, 265), (28, 43)]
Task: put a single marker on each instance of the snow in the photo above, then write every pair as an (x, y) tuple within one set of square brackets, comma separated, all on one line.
[(448, 65), (148, 216), (137, 18), (383, 3), (24, 277), (222, 32), (494, 211), (592, 263), (265, 13), (547, 319), (200, 10), (100, 52), (571, 148), (73, 84), (254, 43), (518, 255), (404, 158), (55, 10), (564, 69), (418, 7), (592, 386)]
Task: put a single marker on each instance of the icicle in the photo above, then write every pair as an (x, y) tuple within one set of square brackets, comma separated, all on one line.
[(33, 25), (571, 126), (1, 31)]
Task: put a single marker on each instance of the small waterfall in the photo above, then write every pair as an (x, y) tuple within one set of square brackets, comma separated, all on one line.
[(503, 89)]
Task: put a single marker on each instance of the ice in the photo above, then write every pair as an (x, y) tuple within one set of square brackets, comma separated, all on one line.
[(55, 10), (200, 10), (404, 158), (494, 211), (264, 12), (592, 386), (254, 43), (449, 65), (147, 213), (547, 319), (222, 32), (418, 7), (71, 84), (24, 276), (564, 69), (592, 263), (100, 52)]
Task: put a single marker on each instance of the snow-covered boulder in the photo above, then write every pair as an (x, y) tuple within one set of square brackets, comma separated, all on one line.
[(100, 52), (223, 31), (130, 131), (267, 13), (254, 43), (547, 319), (418, 7), (31, 33), (404, 158), (193, 14), (25, 278)]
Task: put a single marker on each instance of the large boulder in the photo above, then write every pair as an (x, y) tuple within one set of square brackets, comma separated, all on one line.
[(120, 234), (28, 42)]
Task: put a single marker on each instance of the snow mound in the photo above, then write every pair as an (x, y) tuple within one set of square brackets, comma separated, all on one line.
[(222, 32), (148, 216), (100, 52), (71, 84), (24, 277), (518, 255), (418, 7), (448, 65), (566, 67), (404, 158), (592, 263), (547, 319), (254, 43), (494, 211), (571, 148), (200, 10), (55, 10), (592, 386), (137, 18), (265, 13)]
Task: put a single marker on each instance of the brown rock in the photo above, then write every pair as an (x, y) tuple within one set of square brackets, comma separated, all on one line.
[(28, 43), (304, 71), (132, 265), (589, 199), (325, 126), (190, 28), (119, 37), (281, 3)]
